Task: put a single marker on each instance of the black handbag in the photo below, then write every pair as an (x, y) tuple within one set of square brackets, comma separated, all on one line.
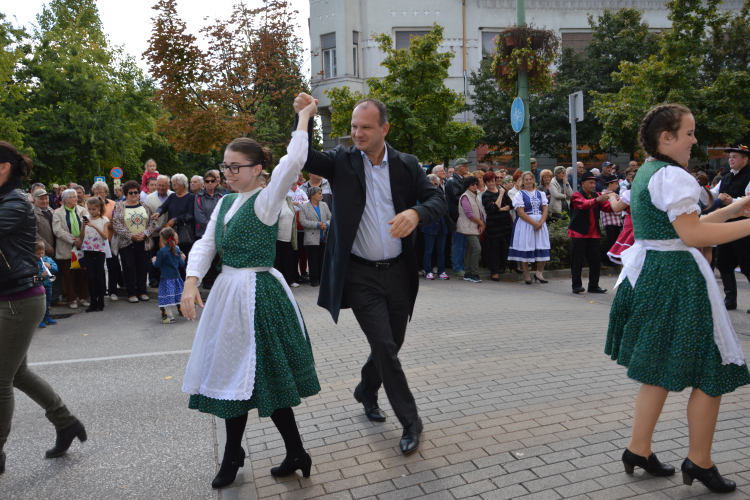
[(185, 234)]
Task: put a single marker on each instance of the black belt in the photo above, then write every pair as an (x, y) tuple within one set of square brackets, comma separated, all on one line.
[(379, 264)]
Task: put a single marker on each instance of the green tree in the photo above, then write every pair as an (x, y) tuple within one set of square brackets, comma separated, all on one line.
[(89, 107), (13, 47), (420, 107), (616, 36), (695, 67)]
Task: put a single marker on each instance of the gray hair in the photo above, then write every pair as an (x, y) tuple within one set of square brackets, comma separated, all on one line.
[(569, 171), (433, 178), (313, 190), (100, 185), (559, 169), (196, 177), (180, 179), (35, 186), (77, 187), (438, 166), (68, 193), (163, 177), (595, 171)]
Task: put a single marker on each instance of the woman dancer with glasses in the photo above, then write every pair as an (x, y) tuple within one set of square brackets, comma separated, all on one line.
[(251, 349)]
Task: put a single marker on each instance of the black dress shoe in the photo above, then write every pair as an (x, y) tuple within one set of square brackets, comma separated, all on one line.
[(65, 438), (579, 289), (730, 304), (290, 465), (228, 470), (597, 290), (710, 478), (410, 438), (650, 464), (372, 410)]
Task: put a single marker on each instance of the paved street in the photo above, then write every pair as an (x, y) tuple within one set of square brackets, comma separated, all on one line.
[(517, 397)]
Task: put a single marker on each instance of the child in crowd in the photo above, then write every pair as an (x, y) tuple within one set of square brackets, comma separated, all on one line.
[(169, 259), (150, 173), (46, 264), (96, 232)]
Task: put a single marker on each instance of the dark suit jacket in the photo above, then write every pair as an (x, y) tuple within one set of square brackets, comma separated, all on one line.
[(345, 171)]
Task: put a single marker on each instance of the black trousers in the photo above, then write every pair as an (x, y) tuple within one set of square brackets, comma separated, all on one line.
[(733, 254), (135, 267), (154, 273), (613, 232), (96, 275), (185, 248), (114, 274), (590, 248), (498, 246), (374, 296), (285, 262), (315, 261)]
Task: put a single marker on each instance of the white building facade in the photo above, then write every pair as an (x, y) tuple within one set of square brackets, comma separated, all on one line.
[(346, 54)]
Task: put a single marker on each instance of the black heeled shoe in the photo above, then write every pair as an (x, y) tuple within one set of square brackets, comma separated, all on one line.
[(540, 280), (65, 438), (528, 282), (228, 470), (290, 465), (651, 464), (518, 271), (710, 478)]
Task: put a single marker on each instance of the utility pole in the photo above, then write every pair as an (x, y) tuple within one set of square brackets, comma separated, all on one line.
[(524, 137)]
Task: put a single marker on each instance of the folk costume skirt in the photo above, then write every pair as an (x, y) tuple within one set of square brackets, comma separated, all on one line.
[(528, 245), (624, 241), (666, 325), (251, 349)]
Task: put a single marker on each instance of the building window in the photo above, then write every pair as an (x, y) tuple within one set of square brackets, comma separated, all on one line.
[(355, 50), (489, 44), (576, 41), (328, 45), (403, 38)]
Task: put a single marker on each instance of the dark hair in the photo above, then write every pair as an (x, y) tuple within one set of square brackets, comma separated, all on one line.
[(378, 104), (130, 185), (254, 152), (631, 169), (151, 179), (170, 236), (20, 164), (662, 118), (94, 202), (470, 181)]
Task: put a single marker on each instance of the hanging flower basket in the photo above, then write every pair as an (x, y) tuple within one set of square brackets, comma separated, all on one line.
[(511, 39), (526, 49)]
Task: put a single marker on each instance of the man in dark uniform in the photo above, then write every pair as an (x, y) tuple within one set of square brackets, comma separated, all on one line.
[(735, 253)]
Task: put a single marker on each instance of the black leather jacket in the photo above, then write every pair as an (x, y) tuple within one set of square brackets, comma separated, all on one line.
[(18, 262)]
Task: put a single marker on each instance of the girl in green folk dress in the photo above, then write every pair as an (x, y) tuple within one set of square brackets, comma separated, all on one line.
[(668, 324), (251, 349)]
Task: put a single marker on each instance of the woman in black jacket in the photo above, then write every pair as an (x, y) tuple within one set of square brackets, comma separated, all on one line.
[(22, 306), (497, 204)]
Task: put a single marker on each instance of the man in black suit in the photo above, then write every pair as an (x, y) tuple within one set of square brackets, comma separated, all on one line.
[(370, 264)]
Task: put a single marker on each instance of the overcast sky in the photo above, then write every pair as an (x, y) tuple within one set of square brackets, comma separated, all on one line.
[(128, 22)]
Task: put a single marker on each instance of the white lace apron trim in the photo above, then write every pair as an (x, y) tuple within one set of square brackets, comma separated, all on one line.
[(724, 335), (223, 359)]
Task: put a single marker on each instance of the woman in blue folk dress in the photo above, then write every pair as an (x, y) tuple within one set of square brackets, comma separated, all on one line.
[(668, 324), (251, 349), (529, 241)]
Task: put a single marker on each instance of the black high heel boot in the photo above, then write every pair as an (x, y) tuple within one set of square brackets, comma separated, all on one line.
[(65, 438), (710, 478), (290, 465), (651, 464), (229, 467)]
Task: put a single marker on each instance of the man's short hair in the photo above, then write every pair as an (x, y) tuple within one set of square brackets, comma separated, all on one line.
[(381, 108), (151, 179)]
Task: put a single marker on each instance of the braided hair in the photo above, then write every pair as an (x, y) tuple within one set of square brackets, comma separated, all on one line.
[(662, 118), (169, 236)]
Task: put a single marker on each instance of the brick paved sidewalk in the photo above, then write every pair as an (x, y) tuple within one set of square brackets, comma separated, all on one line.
[(518, 401)]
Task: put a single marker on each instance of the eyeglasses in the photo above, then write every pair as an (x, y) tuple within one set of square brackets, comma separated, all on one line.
[(209, 180), (235, 169), (132, 193)]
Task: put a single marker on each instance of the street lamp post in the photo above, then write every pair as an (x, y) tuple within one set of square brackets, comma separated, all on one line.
[(524, 137)]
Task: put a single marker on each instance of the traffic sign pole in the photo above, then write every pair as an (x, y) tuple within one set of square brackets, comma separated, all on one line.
[(524, 137), (575, 113)]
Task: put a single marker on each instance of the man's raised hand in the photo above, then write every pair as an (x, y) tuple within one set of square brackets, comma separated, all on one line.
[(302, 101)]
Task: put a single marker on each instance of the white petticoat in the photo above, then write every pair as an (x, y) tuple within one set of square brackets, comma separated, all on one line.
[(222, 361)]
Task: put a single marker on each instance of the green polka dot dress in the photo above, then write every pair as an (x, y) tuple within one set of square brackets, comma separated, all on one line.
[(662, 330), (275, 367)]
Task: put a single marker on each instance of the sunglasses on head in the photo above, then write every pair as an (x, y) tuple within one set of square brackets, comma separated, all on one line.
[(132, 192)]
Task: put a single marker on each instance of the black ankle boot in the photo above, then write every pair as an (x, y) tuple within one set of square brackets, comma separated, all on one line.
[(290, 465), (228, 470), (710, 478), (650, 464), (65, 438)]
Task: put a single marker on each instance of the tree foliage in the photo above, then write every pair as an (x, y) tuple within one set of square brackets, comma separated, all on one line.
[(421, 109), (84, 107), (13, 47), (702, 62), (243, 84)]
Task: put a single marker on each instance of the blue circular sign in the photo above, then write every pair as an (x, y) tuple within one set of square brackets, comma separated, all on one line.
[(517, 115), (116, 173)]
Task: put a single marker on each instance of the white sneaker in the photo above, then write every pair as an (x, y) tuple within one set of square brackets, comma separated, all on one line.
[(73, 305), (294, 285), (444, 277), (430, 276), (113, 297), (133, 300), (84, 303)]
